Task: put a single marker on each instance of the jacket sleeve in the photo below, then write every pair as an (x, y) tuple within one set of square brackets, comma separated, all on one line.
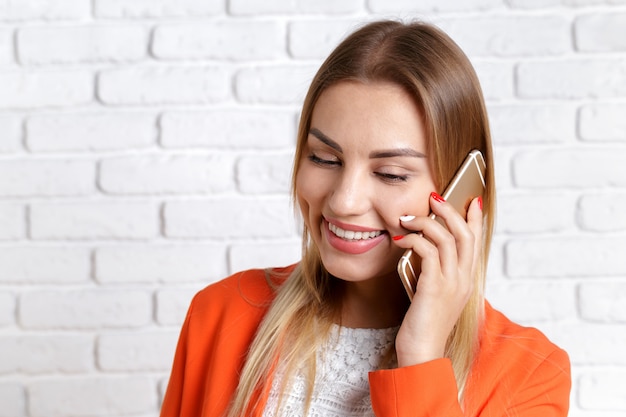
[(531, 388), (427, 389)]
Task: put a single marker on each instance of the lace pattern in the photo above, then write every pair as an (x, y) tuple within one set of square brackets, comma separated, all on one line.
[(341, 383)]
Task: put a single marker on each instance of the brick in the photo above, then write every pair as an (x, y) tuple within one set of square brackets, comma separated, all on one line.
[(316, 39), (163, 85), (575, 168), (167, 174), (503, 158), (602, 390), (583, 3), (247, 7), (10, 133), (576, 412), (81, 44), (247, 256), (46, 353), (238, 129), (274, 85), (589, 344), (265, 174), (46, 177), (326, 6), (510, 36), (537, 212), (85, 309), (92, 396), (7, 309), (533, 4), (172, 305), (572, 78), (136, 351), (517, 124), (542, 4), (157, 8), (495, 267), (7, 51), (31, 89), (603, 302), (230, 218), (232, 40), (602, 212), (162, 387), (102, 131), (13, 399), (430, 6), (162, 263), (600, 32), (496, 79), (12, 221), (44, 265), (566, 257), (94, 220), (550, 301), (44, 10), (603, 122)]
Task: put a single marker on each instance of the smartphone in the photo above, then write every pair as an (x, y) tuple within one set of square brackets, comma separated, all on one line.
[(466, 184)]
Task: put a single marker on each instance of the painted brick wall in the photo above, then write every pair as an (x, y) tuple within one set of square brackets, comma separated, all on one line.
[(145, 150)]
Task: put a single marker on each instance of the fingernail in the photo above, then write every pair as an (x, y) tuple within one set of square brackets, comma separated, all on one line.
[(437, 197), (398, 237), (406, 218), (480, 202)]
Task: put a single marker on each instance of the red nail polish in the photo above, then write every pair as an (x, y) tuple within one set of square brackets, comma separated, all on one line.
[(397, 237), (437, 197), (480, 202)]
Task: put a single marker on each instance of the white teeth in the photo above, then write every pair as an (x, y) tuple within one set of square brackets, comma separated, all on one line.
[(352, 235)]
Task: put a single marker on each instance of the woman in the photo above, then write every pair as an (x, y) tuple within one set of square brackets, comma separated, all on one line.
[(388, 118)]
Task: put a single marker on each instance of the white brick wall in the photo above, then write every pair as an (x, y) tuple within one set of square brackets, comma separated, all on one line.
[(145, 151), (81, 44), (29, 89), (90, 131)]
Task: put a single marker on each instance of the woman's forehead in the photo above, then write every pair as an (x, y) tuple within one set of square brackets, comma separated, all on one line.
[(376, 115)]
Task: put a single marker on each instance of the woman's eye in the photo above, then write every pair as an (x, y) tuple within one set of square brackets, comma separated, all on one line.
[(326, 161), (392, 177)]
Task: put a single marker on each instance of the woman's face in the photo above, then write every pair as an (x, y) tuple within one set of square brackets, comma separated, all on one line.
[(363, 166)]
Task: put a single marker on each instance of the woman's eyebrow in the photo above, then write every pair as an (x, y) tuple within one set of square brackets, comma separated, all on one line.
[(325, 139), (384, 153), (392, 153)]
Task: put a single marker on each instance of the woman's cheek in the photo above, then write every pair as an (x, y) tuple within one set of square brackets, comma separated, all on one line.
[(407, 204), (305, 194), (409, 201)]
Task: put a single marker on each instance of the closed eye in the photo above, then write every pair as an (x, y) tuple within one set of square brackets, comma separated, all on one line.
[(323, 162), (392, 177)]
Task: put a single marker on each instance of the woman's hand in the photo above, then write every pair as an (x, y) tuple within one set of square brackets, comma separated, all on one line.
[(449, 260)]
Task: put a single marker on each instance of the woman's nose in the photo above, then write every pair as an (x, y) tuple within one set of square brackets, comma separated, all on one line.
[(351, 195)]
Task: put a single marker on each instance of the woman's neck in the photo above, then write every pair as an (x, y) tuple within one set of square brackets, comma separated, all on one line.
[(376, 303)]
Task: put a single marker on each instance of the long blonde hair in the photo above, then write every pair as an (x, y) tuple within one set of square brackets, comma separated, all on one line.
[(434, 70)]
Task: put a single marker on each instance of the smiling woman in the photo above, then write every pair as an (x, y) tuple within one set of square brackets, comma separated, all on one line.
[(363, 166), (388, 118)]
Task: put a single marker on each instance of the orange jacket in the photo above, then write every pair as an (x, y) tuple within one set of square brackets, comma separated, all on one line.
[(517, 372)]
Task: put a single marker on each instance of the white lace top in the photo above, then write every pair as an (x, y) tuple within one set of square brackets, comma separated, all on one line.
[(341, 381)]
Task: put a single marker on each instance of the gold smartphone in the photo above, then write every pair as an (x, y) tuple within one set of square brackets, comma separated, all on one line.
[(468, 183)]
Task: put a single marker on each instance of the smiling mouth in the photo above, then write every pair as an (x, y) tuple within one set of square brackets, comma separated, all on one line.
[(351, 234)]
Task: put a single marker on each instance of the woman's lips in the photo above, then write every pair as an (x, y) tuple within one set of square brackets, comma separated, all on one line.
[(350, 240), (352, 234)]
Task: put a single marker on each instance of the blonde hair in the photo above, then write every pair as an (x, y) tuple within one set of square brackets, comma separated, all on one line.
[(434, 70)]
